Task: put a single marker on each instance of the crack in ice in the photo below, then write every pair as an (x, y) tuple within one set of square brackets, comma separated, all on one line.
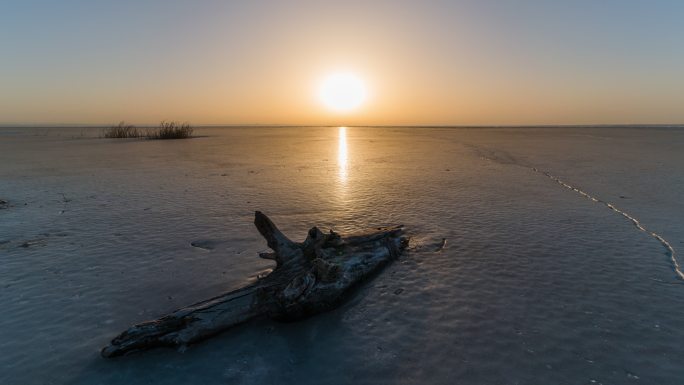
[(492, 156), (670, 250)]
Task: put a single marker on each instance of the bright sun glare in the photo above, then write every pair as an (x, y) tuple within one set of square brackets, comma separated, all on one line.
[(342, 92)]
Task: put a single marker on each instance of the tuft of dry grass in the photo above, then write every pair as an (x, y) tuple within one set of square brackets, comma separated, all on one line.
[(171, 130), (165, 130), (122, 130)]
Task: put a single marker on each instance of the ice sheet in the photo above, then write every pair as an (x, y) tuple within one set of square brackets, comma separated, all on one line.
[(536, 284)]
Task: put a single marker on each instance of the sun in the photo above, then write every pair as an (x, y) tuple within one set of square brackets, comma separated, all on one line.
[(342, 92)]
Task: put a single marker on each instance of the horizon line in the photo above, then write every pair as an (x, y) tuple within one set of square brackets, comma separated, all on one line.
[(266, 125)]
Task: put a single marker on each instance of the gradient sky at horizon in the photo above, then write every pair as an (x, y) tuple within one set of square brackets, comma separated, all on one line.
[(259, 62)]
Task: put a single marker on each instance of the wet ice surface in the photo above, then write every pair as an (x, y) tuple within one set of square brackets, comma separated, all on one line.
[(536, 284)]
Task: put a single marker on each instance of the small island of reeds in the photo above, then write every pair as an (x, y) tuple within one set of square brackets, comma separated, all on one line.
[(165, 130)]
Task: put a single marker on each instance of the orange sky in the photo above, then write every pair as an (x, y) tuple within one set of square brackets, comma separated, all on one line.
[(453, 63)]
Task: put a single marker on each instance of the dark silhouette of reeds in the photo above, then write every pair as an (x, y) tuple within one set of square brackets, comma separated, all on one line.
[(171, 130), (165, 130), (122, 130)]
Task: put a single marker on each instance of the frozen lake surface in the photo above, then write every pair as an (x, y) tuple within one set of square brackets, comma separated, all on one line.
[(537, 284)]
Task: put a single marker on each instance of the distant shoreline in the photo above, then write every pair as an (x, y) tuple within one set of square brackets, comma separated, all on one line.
[(81, 125)]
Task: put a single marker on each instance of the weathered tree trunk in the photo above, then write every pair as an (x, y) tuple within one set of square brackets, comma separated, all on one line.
[(310, 277)]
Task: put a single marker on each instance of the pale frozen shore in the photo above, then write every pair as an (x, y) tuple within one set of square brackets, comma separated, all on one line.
[(537, 283)]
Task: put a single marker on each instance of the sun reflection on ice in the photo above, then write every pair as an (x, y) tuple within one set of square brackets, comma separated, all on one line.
[(342, 155)]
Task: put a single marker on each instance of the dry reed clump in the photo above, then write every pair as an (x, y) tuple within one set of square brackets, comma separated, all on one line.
[(171, 130), (165, 130), (123, 130)]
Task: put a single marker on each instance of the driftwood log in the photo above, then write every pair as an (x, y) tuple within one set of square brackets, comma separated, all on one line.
[(309, 277)]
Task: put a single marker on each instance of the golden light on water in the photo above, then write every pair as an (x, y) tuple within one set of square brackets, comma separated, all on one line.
[(342, 154), (342, 92)]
